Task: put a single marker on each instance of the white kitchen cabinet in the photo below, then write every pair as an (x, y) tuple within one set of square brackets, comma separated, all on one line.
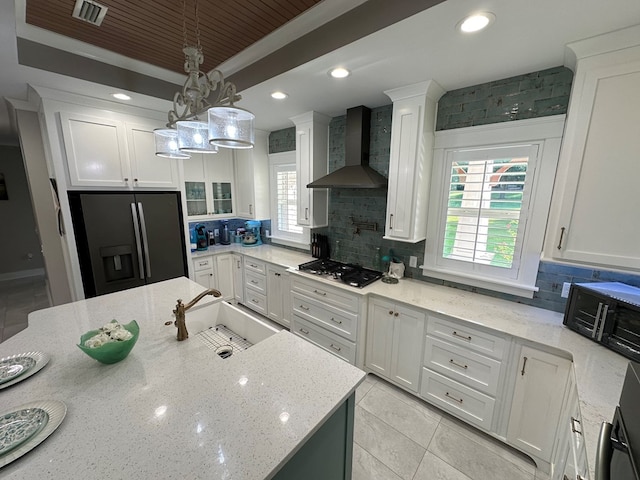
[(540, 384), (570, 456), (255, 285), (312, 142), (105, 152), (252, 179), (223, 275), (278, 295), (203, 271), (147, 169), (593, 216), (96, 150), (412, 137), (394, 342), (209, 185), (327, 316), (238, 277)]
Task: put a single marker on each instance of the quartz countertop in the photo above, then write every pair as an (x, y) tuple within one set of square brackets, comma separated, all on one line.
[(170, 409), (268, 253)]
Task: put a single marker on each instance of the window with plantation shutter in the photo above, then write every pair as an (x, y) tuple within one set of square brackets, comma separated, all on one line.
[(488, 203), (284, 201), (286, 192)]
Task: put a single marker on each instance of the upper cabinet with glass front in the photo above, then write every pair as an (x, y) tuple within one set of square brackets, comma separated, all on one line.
[(209, 185)]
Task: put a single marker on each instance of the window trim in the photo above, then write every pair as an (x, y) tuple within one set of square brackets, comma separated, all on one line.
[(284, 238), (546, 132)]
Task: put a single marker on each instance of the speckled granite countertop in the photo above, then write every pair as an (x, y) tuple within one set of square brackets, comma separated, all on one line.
[(599, 372), (170, 409), (268, 253)]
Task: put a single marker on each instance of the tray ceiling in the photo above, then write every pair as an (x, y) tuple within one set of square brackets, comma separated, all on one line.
[(152, 30)]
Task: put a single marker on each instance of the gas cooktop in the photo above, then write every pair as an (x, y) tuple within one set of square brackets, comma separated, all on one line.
[(352, 275)]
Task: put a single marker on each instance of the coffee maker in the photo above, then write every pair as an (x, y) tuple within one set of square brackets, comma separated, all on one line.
[(202, 243), (252, 235)]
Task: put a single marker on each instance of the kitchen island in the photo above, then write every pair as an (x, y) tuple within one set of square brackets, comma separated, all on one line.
[(172, 409)]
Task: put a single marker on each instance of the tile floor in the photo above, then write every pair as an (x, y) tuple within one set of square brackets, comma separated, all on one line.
[(399, 437), (18, 298)]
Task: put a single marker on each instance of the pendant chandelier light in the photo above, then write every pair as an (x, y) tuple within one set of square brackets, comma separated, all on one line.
[(208, 96)]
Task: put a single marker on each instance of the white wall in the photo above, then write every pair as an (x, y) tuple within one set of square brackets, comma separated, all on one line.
[(18, 239)]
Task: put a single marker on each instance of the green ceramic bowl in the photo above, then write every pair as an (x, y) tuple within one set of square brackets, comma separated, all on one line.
[(111, 352)]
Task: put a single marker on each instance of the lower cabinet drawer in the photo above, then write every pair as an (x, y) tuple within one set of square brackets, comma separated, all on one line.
[(256, 301), (461, 401), (460, 364), (204, 263), (467, 336), (256, 282), (333, 319), (324, 339)]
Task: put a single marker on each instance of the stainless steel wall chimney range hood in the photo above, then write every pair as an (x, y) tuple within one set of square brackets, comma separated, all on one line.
[(356, 173)]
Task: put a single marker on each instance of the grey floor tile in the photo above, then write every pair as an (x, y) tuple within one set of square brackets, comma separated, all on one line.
[(389, 446), (411, 399), (364, 388), (411, 421), (11, 330), (519, 459), (368, 467), (434, 468), (473, 459)]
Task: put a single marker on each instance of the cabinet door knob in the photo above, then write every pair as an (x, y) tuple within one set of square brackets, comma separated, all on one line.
[(396, 314), (135, 179), (390, 312), (126, 179), (250, 209)]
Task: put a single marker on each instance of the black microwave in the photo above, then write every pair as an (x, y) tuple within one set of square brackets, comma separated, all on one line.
[(608, 313)]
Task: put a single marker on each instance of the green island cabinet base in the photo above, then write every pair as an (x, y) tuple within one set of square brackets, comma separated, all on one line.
[(328, 453)]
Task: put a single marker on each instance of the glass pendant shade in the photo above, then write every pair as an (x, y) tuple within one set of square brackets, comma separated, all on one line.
[(193, 137), (231, 127), (167, 143)]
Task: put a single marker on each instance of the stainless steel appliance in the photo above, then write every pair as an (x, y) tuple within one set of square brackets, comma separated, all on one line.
[(352, 275), (126, 240), (608, 313), (618, 453)]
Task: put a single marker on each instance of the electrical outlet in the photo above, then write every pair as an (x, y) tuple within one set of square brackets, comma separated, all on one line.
[(565, 289), (413, 261)]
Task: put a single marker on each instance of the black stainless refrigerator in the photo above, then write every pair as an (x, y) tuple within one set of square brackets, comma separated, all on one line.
[(126, 240)]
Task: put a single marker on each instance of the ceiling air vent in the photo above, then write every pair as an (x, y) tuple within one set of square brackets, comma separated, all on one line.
[(89, 11)]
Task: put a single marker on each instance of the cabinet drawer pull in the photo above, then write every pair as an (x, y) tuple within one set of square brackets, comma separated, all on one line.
[(459, 400), (324, 294), (304, 308), (464, 337), (524, 365), (202, 264), (337, 349), (254, 282), (250, 209), (339, 322), (573, 426), (252, 265), (306, 214), (306, 332), (254, 300), (453, 362), (391, 221), (561, 235)]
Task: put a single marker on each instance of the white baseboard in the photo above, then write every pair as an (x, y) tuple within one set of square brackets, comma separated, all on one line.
[(36, 272)]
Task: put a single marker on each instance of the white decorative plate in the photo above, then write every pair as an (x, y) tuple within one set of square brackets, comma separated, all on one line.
[(27, 426), (16, 368)]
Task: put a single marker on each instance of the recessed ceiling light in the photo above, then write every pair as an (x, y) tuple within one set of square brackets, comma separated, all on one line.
[(476, 22), (121, 96), (278, 95), (339, 72)]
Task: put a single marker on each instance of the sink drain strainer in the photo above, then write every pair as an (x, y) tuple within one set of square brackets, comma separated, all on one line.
[(225, 351)]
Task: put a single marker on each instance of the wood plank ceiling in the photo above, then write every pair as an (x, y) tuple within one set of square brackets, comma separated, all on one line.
[(152, 30)]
